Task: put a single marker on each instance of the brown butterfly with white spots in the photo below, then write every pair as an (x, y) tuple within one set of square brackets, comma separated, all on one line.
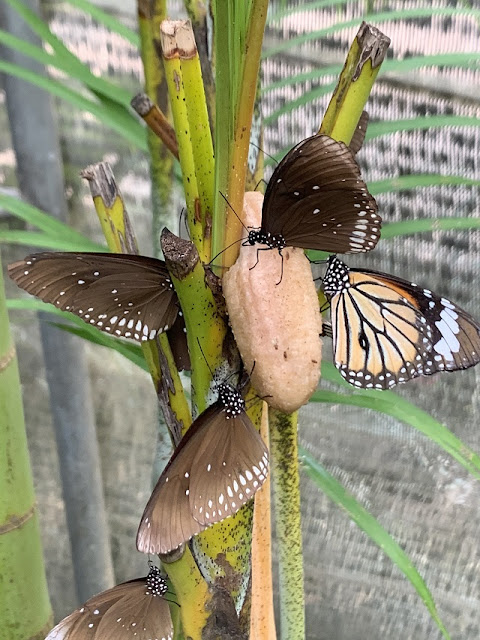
[(135, 609), (125, 295), (387, 330), (316, 199), (218, 466)]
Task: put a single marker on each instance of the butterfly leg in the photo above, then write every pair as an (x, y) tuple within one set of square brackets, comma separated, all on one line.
[(281, 274), (258, 251), (327, 331)]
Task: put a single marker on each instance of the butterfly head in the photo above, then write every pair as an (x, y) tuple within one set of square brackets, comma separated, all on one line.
[(231, 399), (156, 583), (336, 277), (253, 237)]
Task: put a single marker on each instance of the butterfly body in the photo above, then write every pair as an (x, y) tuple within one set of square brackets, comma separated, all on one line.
[(217, 467), (316, 199), (132, 609), (387, 330)]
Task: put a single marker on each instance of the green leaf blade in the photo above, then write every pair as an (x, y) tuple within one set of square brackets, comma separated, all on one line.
[(115, 118), (46, 241), (367, 523), (391, 404)]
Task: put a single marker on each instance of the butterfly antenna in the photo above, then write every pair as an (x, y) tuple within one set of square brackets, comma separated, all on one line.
[(223, 251), (260, 182), (264, 153), (230, 206), (205, 358)]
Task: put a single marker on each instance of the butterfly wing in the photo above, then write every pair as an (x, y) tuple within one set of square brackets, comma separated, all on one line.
[(387, 331), (167, 521), (124, 295), (216, 462), (455, 334), (84, 622), (139, 615), (316, 199), (231, 464)]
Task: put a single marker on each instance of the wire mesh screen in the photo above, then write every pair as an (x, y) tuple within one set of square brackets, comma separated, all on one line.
[(425, 499)]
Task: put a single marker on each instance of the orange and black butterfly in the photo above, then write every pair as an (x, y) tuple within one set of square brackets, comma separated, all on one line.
[(387, 330), (132, 609)]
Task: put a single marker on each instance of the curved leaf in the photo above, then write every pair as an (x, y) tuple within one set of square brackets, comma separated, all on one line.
[(79, 71), (417, 180), (117, 119), (376, 129), (365, 521), (43, 221), (107, 20), (461, 60), (409, 227), (391, 404), (46, 241), (79, 327)]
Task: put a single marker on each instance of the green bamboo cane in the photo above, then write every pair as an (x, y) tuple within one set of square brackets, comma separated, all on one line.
[(360, 71), (191, 589), (150, 16), (25, 611), (285, 480)]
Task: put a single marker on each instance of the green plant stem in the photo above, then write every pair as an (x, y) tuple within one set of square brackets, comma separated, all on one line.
[(202, 144), (117, 119), (206, 329), (197, 12), (25, 610), (232, 142), (178, 103), (355, 83), (192, 592), (150, 16), (121, 239), (285, 479)]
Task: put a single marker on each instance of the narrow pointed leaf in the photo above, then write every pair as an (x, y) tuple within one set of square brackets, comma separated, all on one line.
[(107, 20), (46, 241), (117, 120), (391, 404), (365, 521)]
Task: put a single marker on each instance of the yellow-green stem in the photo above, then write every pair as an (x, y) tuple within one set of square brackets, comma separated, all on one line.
[(285, 479), (361, 68), (191, 592), (197, 12), (227, 228), (25, 611), (150, 15), (121, 239), (202, 143), (206, 328), (178, 102)]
